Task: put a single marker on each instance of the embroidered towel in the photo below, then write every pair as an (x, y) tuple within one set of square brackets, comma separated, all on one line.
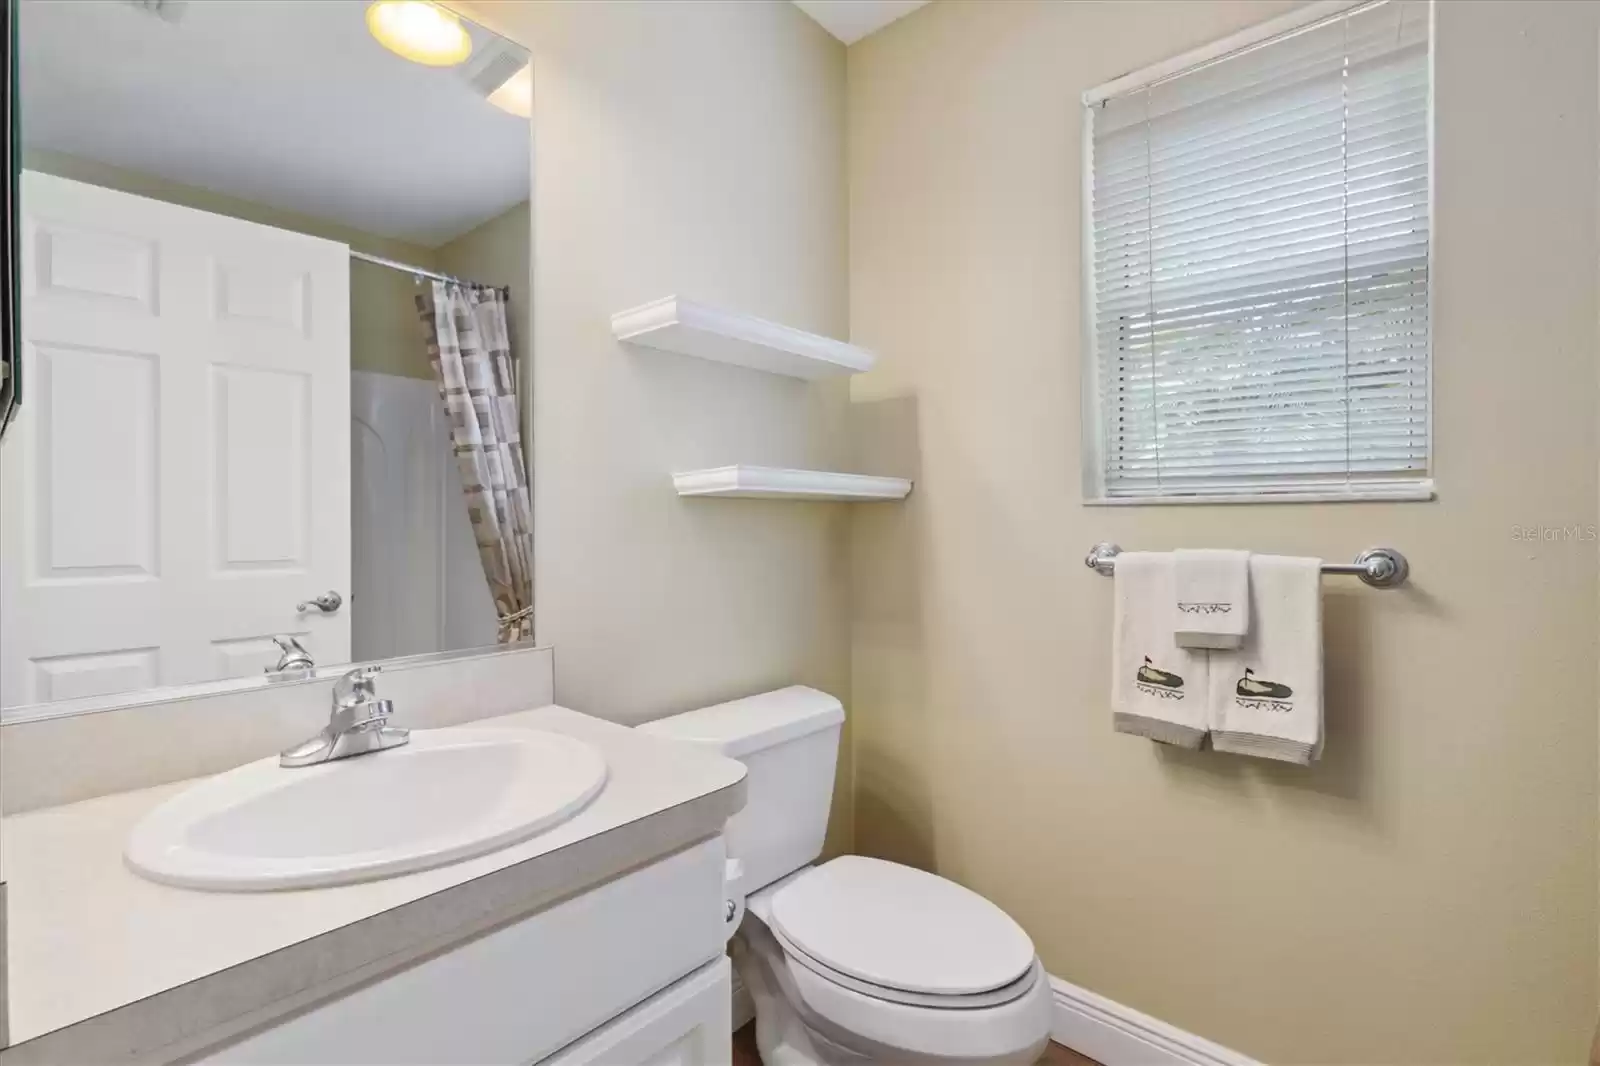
[(1157, 690), (1266, 697), (1212, 601)]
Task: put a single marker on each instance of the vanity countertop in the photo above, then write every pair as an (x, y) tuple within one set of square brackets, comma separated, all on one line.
[(106, 966)]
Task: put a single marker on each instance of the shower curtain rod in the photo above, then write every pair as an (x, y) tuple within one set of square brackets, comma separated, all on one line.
[(415, 271)]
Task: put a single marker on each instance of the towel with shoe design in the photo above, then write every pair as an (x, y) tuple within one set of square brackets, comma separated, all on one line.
[(1158, 690), (1266, 697)]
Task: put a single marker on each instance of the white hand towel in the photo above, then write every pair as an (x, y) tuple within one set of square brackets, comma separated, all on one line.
[(1266, 697), (1212, 601), (1157, 690)]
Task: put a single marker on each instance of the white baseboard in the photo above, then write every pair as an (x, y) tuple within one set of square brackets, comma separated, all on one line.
[(1092, 1025), (1115, 1035)]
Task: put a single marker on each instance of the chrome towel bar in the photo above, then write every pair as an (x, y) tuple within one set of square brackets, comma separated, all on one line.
[(1382, 568)]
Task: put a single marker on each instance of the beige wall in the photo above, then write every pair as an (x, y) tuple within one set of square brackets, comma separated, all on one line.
[(693, 148), (499, 252), (385, 334), (1427, 892)]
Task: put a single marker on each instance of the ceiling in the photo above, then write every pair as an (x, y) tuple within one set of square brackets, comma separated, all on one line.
[(851, 20), (292, 105)]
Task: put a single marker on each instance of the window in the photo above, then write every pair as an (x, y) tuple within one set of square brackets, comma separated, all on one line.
[(1258, 269)]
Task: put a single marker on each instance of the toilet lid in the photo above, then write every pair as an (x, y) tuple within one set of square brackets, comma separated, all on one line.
[(900, 928), (998, 997)]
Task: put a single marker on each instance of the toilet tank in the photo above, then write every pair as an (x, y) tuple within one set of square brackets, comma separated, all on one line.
[(788, 741)]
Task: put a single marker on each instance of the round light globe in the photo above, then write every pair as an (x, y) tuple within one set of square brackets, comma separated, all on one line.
[(419, 31)]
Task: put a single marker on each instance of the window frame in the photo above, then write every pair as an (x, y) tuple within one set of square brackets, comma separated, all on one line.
[(1092, 420)]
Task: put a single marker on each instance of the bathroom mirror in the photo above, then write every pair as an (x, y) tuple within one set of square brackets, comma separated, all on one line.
[(261, 256)]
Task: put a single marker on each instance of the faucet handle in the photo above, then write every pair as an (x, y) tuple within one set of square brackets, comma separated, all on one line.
[(360, 714), (355, 687), (288, 644), (293, 659)]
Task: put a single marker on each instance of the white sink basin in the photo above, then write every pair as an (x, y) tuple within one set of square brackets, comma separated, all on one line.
[(449, 795)]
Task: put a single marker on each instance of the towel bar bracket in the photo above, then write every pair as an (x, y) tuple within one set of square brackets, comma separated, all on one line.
[(1382, 568)]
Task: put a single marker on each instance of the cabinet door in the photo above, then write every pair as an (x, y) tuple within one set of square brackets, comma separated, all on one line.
[(689, 1023)]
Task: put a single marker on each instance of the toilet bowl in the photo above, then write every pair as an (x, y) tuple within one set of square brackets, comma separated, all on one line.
[(858, 959), (883, 963)]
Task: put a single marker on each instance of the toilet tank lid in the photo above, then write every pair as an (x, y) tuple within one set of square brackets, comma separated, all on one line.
[(742, 726)]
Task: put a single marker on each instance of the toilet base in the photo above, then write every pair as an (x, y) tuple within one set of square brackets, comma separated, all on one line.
[(789, 1034), (837, 1055)]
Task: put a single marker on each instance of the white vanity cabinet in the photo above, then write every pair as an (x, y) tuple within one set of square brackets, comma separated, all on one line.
[(629, 972)]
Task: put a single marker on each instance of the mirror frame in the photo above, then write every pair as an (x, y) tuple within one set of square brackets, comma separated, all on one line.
[(10, 356)]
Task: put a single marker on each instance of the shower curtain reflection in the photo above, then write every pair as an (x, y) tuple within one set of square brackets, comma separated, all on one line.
[(469, 348)]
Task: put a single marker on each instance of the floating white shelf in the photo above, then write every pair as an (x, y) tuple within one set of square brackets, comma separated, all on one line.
[(772, 483), (688, 328)]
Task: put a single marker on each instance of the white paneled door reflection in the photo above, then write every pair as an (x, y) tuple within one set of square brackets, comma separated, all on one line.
[(178, 478)]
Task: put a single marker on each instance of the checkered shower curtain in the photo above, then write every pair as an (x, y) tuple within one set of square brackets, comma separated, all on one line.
[(470, 350)]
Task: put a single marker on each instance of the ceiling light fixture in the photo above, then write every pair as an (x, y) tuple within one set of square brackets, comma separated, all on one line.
[(419, 31), (515, 94)]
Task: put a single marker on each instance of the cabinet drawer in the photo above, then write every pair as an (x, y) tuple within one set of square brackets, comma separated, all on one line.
[(524, 991)]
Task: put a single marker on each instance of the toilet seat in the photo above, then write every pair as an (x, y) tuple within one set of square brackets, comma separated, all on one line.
[(898, 933)]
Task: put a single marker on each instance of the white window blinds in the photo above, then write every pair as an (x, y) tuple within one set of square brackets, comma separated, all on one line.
[(1259, 277)]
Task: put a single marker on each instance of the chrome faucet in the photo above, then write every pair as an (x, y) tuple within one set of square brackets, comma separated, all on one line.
[(294, 662), (358, 724)]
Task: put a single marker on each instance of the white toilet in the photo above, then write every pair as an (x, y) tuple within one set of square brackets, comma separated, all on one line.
[(856, 960)]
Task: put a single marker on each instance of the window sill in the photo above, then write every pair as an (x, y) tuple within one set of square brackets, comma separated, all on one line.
[(1410, 492)]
